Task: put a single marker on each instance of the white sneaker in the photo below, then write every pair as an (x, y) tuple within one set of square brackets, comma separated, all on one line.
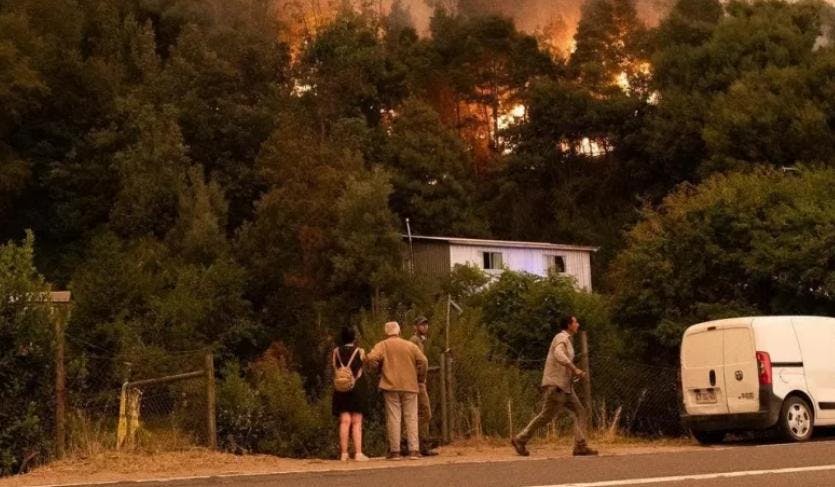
[(360, 457), (343, 457)]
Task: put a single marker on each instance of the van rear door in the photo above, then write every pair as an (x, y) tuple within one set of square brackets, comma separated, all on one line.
[(742, 383), (702, 371)]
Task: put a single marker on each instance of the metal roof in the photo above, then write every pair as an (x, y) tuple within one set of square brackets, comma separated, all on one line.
[(475, 242)]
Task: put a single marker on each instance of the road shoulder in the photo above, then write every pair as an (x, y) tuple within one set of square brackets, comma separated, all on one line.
[(112, 467)]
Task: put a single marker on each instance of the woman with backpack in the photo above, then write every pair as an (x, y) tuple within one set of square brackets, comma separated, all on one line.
[(350, 396)]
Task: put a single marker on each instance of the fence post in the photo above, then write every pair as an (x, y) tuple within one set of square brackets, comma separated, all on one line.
[(451, 408), (60, 387), (584, 364), (59, 309), (211, 424), (444, 408), (510, 417)]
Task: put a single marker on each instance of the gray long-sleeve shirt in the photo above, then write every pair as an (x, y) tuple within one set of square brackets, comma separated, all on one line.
[(559, 363)]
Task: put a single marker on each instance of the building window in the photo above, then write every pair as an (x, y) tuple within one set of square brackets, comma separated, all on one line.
[(555, 264), (492, 260)]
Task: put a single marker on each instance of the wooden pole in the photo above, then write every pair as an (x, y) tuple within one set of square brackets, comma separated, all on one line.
[(444, 408), (510, 417), (211, 424), (59, 318), (450, 383), (584, 364), (446, 327)]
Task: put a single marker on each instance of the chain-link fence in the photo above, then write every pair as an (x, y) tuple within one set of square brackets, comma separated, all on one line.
[(626, 397), (161, 400), (633, 397), (150, 399)]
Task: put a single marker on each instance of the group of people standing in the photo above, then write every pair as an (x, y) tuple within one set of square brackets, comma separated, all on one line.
[(403, 368)]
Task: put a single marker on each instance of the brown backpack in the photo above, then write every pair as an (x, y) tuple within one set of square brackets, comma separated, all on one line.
[(343, 377)]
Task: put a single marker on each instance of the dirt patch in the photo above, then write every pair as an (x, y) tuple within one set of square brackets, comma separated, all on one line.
[(116, 467)]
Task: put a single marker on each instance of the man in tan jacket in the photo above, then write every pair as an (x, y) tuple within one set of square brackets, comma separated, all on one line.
[(558, 391), (404, 367)]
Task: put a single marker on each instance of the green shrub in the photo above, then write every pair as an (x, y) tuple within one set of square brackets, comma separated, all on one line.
[(268, 411), (26, 385), (737, 244), (523, 310), (485, 382)]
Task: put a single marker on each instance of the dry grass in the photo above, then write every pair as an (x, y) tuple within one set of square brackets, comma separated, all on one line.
[(108, 466), (88, 437)]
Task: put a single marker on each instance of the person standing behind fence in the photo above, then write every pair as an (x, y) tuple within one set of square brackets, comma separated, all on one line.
[(403, 366), (349, 405), (558, 392), (424, 405)]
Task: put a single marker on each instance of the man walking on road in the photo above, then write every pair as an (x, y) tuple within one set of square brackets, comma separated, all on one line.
[(404, 366), (558, 392), (424, 407)]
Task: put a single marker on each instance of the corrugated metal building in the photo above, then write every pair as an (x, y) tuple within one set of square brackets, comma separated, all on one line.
[(436, 256)]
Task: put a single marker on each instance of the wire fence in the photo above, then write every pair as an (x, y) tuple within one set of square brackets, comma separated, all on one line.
[(154, 400), (160, 400), (625, 397), (633, 397)]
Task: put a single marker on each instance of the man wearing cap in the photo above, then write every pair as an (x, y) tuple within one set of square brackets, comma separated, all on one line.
[(424, 407), (402, 368)]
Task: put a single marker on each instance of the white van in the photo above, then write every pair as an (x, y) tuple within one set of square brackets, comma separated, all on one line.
[(757, 373)]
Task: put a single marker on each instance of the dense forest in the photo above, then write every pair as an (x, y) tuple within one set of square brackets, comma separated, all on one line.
[(237, 173)]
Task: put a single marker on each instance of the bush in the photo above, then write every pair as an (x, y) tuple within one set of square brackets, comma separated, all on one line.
[(26, 385), (486, 382), (268, 411), (737, 244), (523, 311)]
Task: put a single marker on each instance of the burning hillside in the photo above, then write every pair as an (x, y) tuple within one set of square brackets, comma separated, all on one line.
[(554, 22)]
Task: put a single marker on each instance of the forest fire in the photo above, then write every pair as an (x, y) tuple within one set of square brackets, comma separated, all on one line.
[(624, 79), (235, 176), (511, 117), (553, 23)]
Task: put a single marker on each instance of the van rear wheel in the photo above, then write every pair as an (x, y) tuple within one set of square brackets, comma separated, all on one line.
[(708, 437), (796, 419)]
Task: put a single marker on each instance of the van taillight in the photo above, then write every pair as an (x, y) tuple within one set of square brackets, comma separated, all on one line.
[(764, 368)]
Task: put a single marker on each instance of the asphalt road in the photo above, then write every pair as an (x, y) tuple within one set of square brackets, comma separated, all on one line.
[(740, 465)]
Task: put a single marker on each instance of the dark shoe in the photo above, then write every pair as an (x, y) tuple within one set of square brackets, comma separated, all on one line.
[(519, 447), (426, 452), (394, 455), (583, 450), (415, 455)]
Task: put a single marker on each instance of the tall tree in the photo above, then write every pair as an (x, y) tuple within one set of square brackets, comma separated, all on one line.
[(431, 174), (610, 46), (483, 65), (345, 72), (227, 74), (367, 257)]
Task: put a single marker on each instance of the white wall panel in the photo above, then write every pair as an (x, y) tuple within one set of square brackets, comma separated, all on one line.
[(577, 264)]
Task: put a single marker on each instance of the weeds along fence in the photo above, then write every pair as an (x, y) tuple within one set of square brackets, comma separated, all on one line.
[(626, 398), (161, 400), (634, 397), (155, 401)]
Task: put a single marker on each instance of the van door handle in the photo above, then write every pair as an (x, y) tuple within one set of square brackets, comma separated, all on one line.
[(712, 378)]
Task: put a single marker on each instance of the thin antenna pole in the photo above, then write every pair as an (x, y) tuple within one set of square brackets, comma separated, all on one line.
[(411, 248)]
